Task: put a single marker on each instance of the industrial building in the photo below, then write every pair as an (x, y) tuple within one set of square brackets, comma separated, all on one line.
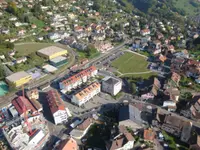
[(59, 112), (77, 79), (51, 52), (111, 85), (58, 61), (86, 94), (20, 137), (18, 79), (49, 68)]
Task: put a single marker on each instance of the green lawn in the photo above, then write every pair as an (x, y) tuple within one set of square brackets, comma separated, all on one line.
[(130, 63), (26, 49), (38, 23), (143, 76)]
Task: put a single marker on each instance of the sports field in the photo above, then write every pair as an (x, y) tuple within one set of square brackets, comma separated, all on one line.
[(130, 63)]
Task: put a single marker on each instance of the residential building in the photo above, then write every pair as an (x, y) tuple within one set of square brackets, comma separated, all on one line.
[(51, 52), (170, 105), (77, 79), (186, 131), (145, 32), (176, 78), (18, 79), (86, 94), (111, 85), (23, 105), (174, 93), (196, 145), (81, 129), (59, 112), (67, 144), (32, 94), (103, 46), (195, 109), (149, 135)]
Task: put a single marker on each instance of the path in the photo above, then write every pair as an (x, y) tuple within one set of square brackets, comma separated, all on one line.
[(136, 53), (146, 72)]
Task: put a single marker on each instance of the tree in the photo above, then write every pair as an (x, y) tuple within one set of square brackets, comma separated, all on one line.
[(2, 72), (133, 88), (187, 96), (9, 45)]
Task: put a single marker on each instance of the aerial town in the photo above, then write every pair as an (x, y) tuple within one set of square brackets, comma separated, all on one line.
[(99, 75)]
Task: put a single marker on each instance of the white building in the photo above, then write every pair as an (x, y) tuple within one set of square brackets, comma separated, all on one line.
[(77, 79), (86, 94), (111, 85), (59, 112), (145, 32)]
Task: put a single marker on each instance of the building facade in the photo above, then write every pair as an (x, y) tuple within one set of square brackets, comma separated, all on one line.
[(111, 85), (77, 79), (86, 94), (59, 112)]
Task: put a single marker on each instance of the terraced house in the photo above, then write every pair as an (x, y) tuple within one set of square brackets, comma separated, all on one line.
[(77, 79)]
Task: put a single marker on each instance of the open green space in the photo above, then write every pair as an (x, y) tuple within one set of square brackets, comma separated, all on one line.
[(38, 23), (143, 76), (25, 49), (130, 63)]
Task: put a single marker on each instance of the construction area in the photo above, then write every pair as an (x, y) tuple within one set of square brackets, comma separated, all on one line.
[(29, 134)]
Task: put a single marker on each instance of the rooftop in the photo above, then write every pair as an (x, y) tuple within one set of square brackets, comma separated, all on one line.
[(111, 80), (51, 50), (67, 144), (16, 76), (58, 59)]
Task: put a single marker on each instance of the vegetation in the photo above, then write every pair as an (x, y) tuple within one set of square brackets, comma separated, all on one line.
[(89, 53), (2, 72), (130, 63)]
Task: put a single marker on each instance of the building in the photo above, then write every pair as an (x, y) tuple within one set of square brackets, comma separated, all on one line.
[(149, 135), (49, 68), (18, 79), (77, 79), (59, 112), (195, 109), (51, 52), (81, 129), (135, 115), (13, 112), (196, 145), (23, 105), (86, 94), (32, 94), (58, 61), (111, 85), (176, 78), (36, 105), (67, 144), (145, 32), (186, 131)]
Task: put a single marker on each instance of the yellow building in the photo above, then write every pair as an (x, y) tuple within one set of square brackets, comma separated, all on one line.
[(51, 52), (18, 79)]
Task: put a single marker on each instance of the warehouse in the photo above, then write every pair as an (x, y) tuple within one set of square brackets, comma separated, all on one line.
[(58, 61), (51, 52), (18, 79)]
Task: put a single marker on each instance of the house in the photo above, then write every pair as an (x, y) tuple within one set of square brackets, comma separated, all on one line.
[(145, 32), (157, 44), (23, 105), (32, 94), (103, 46), (59, 112), (98, 36), (174, 93), (77, 79), (33, 26), (149, 135), (186, 132), (67, 144), (156, 86), (135, 115), (196, 145), (21, 60), (170, 105), (111, 85), (21, 32), (171, 48), (195, 109), (80, 98), (81, 129)]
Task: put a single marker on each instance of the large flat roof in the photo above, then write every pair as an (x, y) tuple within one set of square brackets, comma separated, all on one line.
[(58, 59), (16, 76), (50, 50)]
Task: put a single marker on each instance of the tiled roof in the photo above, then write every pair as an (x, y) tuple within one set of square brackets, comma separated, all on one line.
[(20, 103), (79, 75), (67, 144), (55, 102), (149, 134), (86, 91), (85, 124)]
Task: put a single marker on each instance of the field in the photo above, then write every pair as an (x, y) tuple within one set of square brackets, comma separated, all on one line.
[(27, 48), (130, 63)]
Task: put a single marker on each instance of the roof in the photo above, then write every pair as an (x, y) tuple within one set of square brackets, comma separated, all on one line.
[(174, 121), (149, 134), (175, 77), (48, 51), (86, 91), (33, 91), (16, 76), (67, 144), (110, 80), (55, 102), (58, 59), (49, 68), (20, 103), (85, 124), (36, 104), (78, 76)]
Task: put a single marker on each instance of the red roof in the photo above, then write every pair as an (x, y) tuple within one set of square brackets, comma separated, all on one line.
[(79, 75), (20, 103), (55, 102)]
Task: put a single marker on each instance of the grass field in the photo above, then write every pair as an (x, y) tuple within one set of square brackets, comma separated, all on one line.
[(25, 49), (130, 63)]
